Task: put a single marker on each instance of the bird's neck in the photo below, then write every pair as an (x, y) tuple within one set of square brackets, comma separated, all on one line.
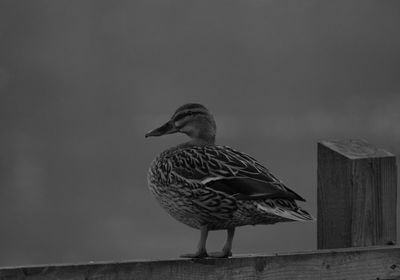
[(199, 142), (203, 141), (205, 136), (202, 135)]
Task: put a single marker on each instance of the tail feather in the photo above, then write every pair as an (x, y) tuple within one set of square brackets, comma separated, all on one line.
[(285, 208)]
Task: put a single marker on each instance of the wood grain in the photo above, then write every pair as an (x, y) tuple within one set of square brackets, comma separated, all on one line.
[(351, 263), (357, 190), (356, 148)]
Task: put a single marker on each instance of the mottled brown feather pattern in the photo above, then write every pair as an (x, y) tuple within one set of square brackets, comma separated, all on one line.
[(182, 180)]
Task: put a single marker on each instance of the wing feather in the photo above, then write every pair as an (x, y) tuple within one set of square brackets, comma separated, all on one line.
[(226, 170)]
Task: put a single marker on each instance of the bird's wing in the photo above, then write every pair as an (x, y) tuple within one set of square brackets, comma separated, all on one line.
[(229, 171)]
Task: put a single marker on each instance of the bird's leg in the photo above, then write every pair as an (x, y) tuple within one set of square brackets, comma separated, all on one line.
[(201, 247), (226, 251)]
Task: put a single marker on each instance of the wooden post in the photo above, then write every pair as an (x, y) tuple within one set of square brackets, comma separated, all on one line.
[(356, 195)]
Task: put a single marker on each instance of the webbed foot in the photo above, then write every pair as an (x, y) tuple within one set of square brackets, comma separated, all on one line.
[(197, 255), (222, 254)]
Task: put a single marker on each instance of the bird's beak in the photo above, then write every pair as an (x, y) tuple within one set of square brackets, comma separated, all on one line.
[(167, 128)]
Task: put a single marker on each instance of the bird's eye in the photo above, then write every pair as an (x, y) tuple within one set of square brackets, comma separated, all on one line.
[(181, 116)]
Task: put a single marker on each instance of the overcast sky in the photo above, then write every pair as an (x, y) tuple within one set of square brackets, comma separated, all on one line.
[(81, 82)]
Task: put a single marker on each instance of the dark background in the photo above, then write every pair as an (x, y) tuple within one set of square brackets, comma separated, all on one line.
[(82, 81)]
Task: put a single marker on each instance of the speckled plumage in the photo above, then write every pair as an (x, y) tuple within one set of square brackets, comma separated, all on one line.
[(176, 179), (211, 187)]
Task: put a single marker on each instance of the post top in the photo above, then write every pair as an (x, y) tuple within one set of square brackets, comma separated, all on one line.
[(356, 149)]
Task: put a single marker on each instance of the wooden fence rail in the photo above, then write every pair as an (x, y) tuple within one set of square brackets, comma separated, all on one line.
[(351, 263), (356, 207)]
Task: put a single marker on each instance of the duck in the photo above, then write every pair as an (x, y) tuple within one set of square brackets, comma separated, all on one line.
[(213, 187)]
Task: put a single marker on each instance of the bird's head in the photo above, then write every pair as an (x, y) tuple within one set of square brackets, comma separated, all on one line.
[(191, 119)]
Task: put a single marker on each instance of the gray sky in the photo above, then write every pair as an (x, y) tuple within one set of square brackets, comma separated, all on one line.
[(82, 81)]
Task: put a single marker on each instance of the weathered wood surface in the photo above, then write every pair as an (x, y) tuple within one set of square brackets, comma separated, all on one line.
[(357, 186), (351, 263)]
